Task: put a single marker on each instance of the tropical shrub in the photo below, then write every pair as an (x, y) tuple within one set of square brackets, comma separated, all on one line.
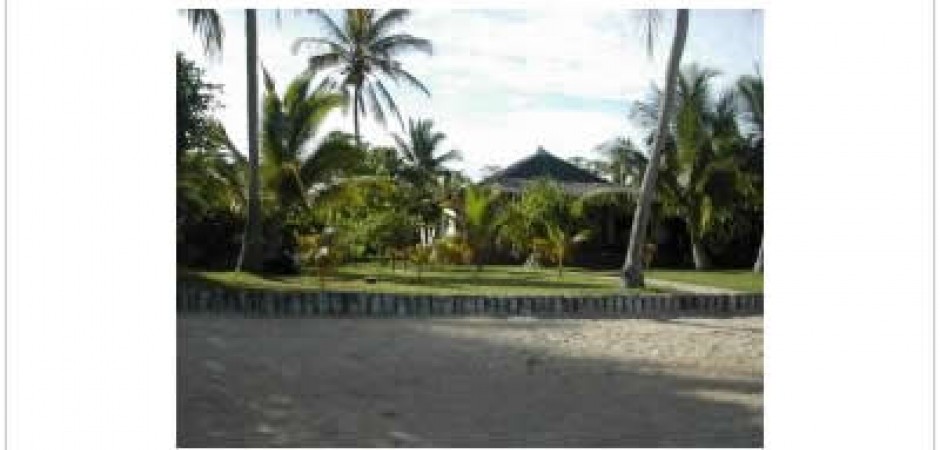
[(317, 252), (452, 250), (557, 244), (479, 214), (420, 256), (701, 178)]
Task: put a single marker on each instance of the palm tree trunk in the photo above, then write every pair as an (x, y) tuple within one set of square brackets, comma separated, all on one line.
[(700, 258), (356, 115), (250, 258), (759, 264), (633, 263)]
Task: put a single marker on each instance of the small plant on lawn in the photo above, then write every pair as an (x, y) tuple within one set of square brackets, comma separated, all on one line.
[(452, 250), (558, 244), (316, 252), (420, 256)]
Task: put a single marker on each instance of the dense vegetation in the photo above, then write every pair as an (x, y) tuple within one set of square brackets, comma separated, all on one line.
[(328, 198)]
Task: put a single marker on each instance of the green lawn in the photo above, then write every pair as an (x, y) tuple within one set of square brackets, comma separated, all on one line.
[(493, 280), (738, 280)]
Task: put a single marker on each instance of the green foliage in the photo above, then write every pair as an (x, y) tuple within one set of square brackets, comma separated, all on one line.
[(436, 280), (541, 209), (452, 250), (210, 181), (210, 175), (420, 256), (294, 159), (196, 101), (317, 251), (419, 152), (479, 214), (623, 162), (703, 177), (382, 161), (374, 214), (424, 167), (558, 244)]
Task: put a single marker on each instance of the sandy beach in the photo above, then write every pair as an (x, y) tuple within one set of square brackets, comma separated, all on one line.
[(469, 382)]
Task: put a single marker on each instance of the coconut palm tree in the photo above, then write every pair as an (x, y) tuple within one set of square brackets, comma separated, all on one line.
[(359, 53), (751, 91), (633, 262), (701, 174), (624, 162), (295, 155), (425, 168), (208, 24), (252, 253), (420, 152)]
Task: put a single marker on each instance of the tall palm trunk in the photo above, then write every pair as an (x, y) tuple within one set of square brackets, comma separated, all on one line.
[(759, 264), (250, 258), (633, 263), (356, 114)]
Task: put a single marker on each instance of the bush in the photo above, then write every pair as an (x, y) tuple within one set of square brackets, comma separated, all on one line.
[(452, 250), (211, 241)]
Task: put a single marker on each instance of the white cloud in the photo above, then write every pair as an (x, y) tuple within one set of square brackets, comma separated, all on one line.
[(504, 81)]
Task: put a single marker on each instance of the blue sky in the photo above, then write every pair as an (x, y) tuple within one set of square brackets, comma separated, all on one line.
[(504, 81)]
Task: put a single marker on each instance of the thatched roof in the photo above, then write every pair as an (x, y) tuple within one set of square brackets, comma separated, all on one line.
[(543, 164)]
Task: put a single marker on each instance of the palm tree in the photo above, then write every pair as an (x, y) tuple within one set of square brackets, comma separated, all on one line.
[(633, 262), (480, 220), (208, 23), (751, 90), (558, 243), (425, 169), (252, 253), (359, 53), (211, 178), (420, 152), (701, 176), (294, 157), (624, 162)]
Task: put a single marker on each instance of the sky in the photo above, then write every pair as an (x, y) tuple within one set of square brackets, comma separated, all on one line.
[(502, 82)]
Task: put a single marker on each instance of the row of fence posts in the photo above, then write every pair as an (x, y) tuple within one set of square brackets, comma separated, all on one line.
[(199, 299)]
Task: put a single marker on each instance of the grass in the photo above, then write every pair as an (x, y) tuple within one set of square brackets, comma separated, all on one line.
[(738, 280), (442, 280)]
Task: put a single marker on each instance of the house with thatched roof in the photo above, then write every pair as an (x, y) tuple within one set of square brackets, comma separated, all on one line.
[(609, 208), (573, 179), (610, 219)]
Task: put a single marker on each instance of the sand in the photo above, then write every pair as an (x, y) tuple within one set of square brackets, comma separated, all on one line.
[(469, 382)]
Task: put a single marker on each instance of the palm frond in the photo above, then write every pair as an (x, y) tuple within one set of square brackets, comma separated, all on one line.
[(390, 102), (374, 104), (390, 46), (332, 29), (412, 80), (207, 23), (387, 20)]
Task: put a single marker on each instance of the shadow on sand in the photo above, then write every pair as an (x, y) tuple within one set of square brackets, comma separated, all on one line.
[(419, 383)]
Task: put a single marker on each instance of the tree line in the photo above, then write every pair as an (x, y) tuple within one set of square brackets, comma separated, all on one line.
[(324, 196)]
